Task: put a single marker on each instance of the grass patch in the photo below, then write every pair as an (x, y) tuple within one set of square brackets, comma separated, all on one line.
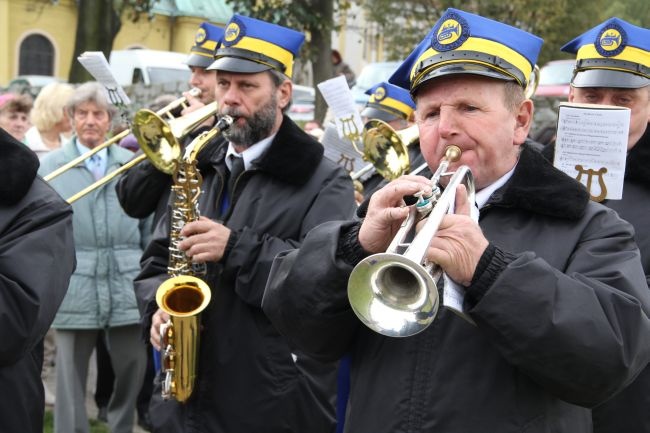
[(95, 426)]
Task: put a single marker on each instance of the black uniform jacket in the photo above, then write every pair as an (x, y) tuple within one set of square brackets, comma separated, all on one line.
[(248, 379), (628, 410), (559, 300), (36, 261)]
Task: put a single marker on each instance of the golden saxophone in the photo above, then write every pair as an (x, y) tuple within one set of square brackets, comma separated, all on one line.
[(184, 295)]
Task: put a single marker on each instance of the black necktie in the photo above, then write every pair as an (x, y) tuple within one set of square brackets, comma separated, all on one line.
[(236, 168)]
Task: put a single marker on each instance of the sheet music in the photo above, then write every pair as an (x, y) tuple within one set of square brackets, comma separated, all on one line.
[(593, 137), (96, 64), (339, 99), (340, 151)]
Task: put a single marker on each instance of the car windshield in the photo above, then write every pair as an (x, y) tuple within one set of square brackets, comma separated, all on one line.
[(166, 75), (556, 73), (303, 94), (375, 73)]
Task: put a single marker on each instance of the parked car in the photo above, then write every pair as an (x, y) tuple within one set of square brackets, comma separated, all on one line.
[(31, 84), (554, 79), (148, 67), (370, 75), (303, 103)]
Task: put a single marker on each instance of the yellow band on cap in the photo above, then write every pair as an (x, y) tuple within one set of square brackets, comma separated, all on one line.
[(395, 105), (629, 54), (273, 51), (483, 46), (209, 45), (199, 53)]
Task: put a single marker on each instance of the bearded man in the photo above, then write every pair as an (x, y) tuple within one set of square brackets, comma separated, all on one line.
[(265, 185)]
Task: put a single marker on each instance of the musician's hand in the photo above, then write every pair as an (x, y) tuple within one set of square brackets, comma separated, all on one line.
[(358, 197), (459, 242), (159, 318), (205, 240), (386, 211), (194, 103)]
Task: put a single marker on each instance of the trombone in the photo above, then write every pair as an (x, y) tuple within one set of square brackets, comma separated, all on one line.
[(395, 293), (165, 111), (160, 145)]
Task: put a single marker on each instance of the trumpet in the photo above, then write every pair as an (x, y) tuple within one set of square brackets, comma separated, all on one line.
[(395, 293), (160, 145), (165, 111)]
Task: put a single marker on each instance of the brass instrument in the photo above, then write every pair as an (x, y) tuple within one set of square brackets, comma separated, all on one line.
[(184, 295), (395, 293), (533, 82), (165, 111), (386, 149), (158, 140)]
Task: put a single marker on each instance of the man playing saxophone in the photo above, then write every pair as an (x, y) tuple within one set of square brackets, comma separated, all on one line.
[(552, 282), (265, 185)]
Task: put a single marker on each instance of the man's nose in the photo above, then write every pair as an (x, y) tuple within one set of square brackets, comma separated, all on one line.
[(446, 123)]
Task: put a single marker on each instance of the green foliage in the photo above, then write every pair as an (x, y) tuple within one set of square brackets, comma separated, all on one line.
[(405, 23)]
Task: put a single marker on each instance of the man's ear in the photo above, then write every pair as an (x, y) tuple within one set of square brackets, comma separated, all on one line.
[(285, 90), (523, 120), (571, 94)]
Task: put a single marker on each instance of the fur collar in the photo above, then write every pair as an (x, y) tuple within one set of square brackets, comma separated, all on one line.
[(539, 187), (292, 157), (18, 167), (637, 166)]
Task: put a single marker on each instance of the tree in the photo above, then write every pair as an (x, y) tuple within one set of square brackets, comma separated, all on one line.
[(315, 18), (98, 22), (547, 19)]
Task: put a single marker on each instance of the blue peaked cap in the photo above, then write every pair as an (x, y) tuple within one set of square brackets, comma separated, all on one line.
[(465, 43)]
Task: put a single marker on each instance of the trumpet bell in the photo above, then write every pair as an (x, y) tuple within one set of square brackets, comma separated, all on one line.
[(387, 149), (156, 139), (392, 295)]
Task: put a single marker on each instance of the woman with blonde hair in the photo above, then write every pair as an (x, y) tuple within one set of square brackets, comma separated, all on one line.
[(51, 124)]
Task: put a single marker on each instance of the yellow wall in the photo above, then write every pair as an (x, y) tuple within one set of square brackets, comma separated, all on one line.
[(58, 23)]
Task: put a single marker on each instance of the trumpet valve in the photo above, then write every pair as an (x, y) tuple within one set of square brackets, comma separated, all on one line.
[(424, 203)]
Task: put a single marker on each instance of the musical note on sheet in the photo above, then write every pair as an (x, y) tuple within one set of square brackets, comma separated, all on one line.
[(594, 138)]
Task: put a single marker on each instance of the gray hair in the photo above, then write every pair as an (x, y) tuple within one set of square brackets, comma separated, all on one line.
[(91, 91), (277, 78)]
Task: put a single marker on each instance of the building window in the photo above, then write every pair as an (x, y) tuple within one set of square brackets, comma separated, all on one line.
[(36, 56)]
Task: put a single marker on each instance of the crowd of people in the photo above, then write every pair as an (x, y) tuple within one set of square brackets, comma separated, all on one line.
[(554, 326)]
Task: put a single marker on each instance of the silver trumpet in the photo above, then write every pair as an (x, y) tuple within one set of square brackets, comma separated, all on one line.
[(395, 293)]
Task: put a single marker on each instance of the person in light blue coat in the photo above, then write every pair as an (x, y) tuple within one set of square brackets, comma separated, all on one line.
[(100, 296)]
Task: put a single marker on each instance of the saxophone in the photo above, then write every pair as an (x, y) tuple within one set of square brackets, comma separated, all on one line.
[(184, 295)]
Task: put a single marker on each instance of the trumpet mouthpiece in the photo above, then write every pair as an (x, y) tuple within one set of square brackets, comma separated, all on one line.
[(452, 153)]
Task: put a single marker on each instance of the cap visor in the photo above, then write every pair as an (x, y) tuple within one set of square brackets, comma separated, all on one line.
[(199, 61), (608, 78), (233, 64), (375, 113), (463, 68)]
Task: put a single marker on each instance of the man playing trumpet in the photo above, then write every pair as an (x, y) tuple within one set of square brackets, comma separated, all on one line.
[(552, 281)]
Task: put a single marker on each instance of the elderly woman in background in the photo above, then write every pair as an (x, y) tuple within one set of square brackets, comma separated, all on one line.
[(51, 124), (14, 114)]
